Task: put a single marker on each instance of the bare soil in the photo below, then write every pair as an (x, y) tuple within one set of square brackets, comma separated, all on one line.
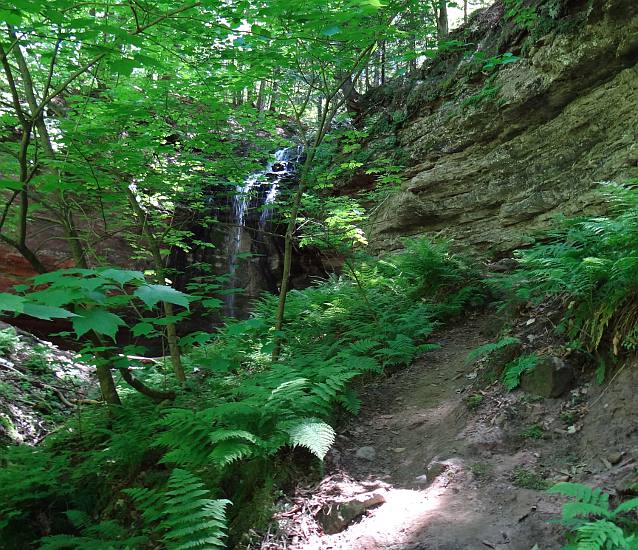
[(458, 471)]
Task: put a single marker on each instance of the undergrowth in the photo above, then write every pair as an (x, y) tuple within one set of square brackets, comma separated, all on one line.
[(148, 475), (593, 523), (589, 267)]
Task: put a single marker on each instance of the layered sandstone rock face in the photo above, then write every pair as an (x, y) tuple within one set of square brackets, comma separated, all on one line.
[(494, 156)]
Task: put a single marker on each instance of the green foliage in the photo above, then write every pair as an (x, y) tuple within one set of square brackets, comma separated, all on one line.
[(8, 341), (590, 266), (499, 60), (593, 524), (90, 293), (528, 479), (475, 401), (183, 513), (516, 368), (95, 536), (242, 412), (524, 16), (490, 347), (533, 432), (486, 93)]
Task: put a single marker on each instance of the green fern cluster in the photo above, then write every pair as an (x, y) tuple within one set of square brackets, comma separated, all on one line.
[(222, 437), (591, 266), (592, 521), (183, 512)]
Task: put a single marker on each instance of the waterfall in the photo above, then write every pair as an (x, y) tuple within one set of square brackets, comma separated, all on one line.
[(258, 191)]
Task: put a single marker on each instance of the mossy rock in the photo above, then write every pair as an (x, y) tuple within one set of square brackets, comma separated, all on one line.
[(551, 377)]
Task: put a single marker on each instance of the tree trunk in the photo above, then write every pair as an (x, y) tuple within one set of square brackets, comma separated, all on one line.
[(158, 264), (442, 20), (353, 97), (136, 383), (107, 384)]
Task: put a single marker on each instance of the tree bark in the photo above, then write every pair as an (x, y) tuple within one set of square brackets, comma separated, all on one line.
[(171, 330), (442, 29), (107, 384), (136, 383)]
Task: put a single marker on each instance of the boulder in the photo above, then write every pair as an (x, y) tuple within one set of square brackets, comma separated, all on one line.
[(550, 378), (334, 517)]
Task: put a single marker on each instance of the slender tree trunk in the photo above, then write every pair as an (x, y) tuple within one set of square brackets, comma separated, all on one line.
[(442, 20), (465, 12), (261, 96), (107, 384), (322, 127), (383, 61), (158, 264), (65, 214), (273, 95), (136, 383)]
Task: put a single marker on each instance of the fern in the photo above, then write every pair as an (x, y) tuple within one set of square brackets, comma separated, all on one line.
[(516, 368), (244, 409), (491, 347), (595, 525), (313, 434), (188, 518), (591, 267), (98, 536)]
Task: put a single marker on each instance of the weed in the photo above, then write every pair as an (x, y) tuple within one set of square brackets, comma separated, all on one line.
[(38, 360), (8, 341), (481, 470), (533, 432), (474, 401), (527, 479)]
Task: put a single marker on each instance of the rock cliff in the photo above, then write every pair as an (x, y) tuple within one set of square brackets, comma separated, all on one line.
[(494, 153)]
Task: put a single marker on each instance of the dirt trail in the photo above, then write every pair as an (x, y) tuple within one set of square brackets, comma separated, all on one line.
[(446, 472)]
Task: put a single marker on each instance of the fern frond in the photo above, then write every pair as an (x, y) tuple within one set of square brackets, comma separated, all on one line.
[(224, 435), (313, 434), (227, 452), (515, 369), (491, 347), (192, 520), (573, 510), (582, 493), (600, 535), (626, 506)]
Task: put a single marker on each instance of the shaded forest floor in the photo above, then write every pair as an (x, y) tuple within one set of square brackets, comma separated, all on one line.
[(441, 458)]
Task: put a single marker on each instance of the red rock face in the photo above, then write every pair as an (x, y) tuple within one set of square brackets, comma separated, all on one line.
[(14, 269)]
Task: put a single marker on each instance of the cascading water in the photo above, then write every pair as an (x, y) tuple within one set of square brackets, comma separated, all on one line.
[(258, 191)]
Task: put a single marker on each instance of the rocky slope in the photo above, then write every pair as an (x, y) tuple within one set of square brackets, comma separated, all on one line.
[(493, 154)]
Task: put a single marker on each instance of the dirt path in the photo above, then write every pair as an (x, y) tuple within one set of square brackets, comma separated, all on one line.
[(448, 474)]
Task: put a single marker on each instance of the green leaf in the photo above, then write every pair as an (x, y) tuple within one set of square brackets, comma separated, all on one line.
[(11, 17), (212, 303), (46, 312), (151, 294), (331, 31), (143, 329), (123, 66), (99, 321), (10, 184), (11, 302), (122, 276)]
